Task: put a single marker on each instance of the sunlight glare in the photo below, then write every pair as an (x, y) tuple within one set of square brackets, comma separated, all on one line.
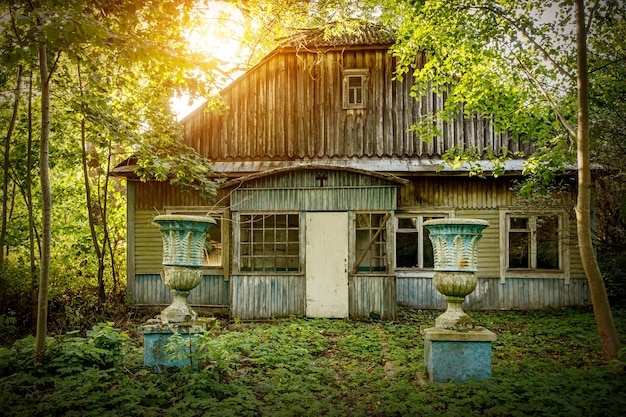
[(219, 36)]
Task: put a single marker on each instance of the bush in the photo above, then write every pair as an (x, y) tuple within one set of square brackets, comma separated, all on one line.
[(103, 347), (613, 267)]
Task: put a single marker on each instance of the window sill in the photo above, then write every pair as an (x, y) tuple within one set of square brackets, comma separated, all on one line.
[(535, 273), (410, 273)]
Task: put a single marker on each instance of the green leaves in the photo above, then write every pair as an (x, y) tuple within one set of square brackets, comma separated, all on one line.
[(545, 363), (179, 164)]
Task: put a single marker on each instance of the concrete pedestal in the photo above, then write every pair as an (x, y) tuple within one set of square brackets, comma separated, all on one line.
[(457, 355), (155, 338)]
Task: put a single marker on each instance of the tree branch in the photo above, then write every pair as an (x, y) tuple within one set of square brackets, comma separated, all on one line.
[(572, 133), (591, 15), (532, 40)]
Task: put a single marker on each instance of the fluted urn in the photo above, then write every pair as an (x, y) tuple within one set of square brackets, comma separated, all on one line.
[(455, 249), (184, 238)]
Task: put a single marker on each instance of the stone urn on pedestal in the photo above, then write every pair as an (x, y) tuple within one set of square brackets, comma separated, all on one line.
[(455, 248), (184, 240), (455, 348)]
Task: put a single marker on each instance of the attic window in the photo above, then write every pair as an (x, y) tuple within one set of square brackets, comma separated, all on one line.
[(355, 88)]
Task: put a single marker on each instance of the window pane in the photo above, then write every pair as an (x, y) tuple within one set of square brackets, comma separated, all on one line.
[(406, 250), (268, 242), (519, 223), (213, 247), (519, 244), (354, 82), (407, 223), (547, 242), (427, 247), (428, 256), (370, 246)]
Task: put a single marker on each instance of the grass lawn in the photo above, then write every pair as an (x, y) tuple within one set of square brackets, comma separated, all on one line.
[(545, 363)]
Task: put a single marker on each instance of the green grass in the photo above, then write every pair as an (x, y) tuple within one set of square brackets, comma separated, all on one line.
[(545, 363)]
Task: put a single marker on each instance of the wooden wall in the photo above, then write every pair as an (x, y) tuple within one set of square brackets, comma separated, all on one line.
[(266, 296), (491, 294), (254, 296), (456, 192), (290, 107), (149, 289)]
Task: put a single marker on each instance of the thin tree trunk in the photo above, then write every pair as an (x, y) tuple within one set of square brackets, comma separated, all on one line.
[(105, 219), (599, 298), (5, 176), (10, 216), (46, 207), (90, 211), (29, 203)]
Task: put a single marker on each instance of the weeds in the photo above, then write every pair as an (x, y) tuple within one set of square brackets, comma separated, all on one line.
[(544, 364)]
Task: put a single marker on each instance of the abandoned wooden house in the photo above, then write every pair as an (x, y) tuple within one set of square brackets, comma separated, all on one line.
[(327, 192)]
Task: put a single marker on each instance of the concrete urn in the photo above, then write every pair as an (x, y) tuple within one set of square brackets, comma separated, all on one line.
[(455, 248), (184, 238)]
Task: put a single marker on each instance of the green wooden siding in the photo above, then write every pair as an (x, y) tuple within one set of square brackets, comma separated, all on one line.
[(490, 294), (149, 289), (266, 296), (316, 190), (372, 294)]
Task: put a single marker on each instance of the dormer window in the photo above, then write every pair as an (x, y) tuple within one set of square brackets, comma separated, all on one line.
[(355, 88)]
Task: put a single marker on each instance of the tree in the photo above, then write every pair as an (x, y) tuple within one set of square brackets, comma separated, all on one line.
[(520, 62), (134, 56)]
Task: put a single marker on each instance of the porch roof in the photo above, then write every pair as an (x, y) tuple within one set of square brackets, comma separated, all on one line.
[(297, 168)]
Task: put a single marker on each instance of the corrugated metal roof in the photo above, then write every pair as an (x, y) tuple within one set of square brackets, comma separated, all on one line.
[(337, 34)]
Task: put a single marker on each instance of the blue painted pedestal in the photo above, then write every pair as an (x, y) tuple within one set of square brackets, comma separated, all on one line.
[(457, 355), (156, 337)]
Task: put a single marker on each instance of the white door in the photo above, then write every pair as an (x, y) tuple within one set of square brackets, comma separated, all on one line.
[(327, 264)]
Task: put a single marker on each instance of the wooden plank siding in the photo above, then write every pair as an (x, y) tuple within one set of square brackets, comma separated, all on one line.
[(149, 289), (290, 107), (490, 294), (372, 294), (303, 190), (265, 296), (456, 192), (155, 196)]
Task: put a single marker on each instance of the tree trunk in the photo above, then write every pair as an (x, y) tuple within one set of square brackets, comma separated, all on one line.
[(46, 207), (6, 163), (599, 298), (29, 204), (90, 208)]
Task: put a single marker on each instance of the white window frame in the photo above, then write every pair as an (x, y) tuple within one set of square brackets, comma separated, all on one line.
[(238, 244), (563, 270), (419, 270), (220, 216), (349, 91)]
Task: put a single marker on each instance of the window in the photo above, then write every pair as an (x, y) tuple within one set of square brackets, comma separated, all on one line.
[(269, 242), (371, 242), (213, 245), (533, 242), (355, 88), (413, 246)]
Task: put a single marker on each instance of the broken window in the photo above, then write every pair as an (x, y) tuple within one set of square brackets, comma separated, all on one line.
[(371, 242)]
